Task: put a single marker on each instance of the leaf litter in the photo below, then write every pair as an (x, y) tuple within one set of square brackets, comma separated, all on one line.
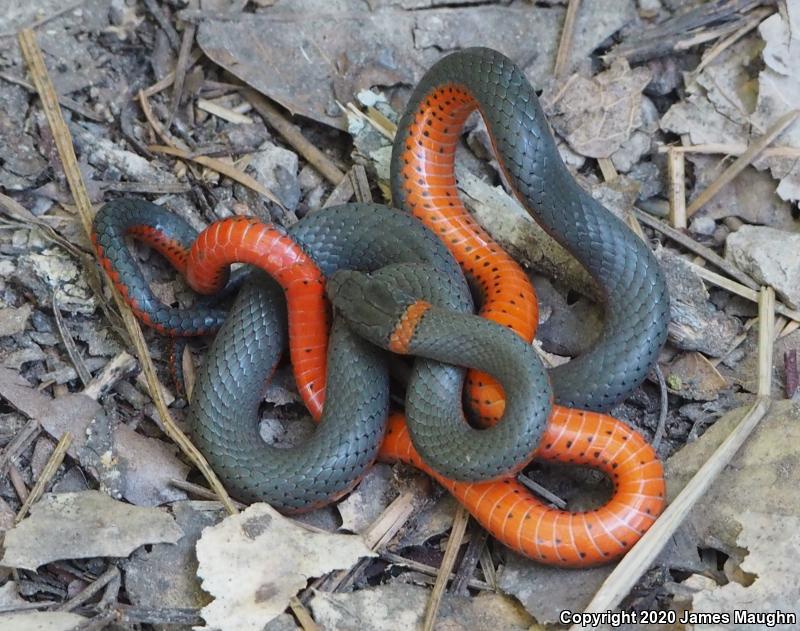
[(310, 57)]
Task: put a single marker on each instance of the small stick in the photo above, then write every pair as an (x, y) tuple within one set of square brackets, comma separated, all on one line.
[(22, 440), (487, 565), (294, 136), (545, 493), (69, 344), (115, 370), (662, 416), (690, 244), (716, 50), (389, 522), (742, 161), (379, 533), (740, 290), (453, 546), (342, 193), (790, 365), (17, 482), (565, 45), (677, 189), (423, 568), (99, 583), (158, 15), (223, 168), (53, 463), (160, 130), (225, 113), (181, 66), (731, 150), (303, 615), (466, 568), (66, 151), (169, 78), (607, 169), (641, 556), (358, 174), (200, 491)]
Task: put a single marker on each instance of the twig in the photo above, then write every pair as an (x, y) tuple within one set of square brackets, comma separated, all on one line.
[(53, 463), (69, 344), (17, 482), (379, 533), (677, 189), (734, 149), (169, 78), (607, 169), (181, 66), (358, 174), (690, 244), (22, 440), (790, 367), (487, 565), (740, 290), (66, 151), (292, 134), (158, 15), (715, 51), (742, 161), (662, 415), (534, 486), (644, 552), (302, 614), (453, 546), (686, 30), (423, 568), (199, 491), (466, 568), (565, 45), (221, 167), (225, 113), (160, 130), (389, 522), (342, 193), (115, 370), (81, 597)]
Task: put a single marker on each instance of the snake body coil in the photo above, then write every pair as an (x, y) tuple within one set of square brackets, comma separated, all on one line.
[(367, 238)]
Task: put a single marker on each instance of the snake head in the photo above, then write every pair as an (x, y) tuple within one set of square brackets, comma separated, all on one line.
[(371, 305)]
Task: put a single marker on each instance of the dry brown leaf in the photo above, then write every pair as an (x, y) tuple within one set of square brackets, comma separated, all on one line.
[(308, 53), (597, 115), (84, 525), (772, 544), (779, 93), (129, 464), (764, 473), (254, 562)]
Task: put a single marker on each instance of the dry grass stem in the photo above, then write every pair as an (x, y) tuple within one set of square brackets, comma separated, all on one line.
[(53, 463), (63, 141), (742, 161), (565, 44), (453, 545), (223, 168), (642, 555), (677, 189)]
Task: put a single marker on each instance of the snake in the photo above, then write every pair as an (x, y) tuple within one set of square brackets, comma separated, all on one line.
[(323, 244)]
